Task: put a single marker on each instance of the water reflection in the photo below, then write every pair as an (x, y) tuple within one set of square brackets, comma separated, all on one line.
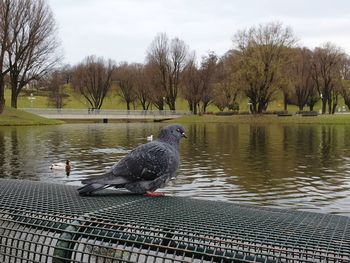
[(299, 167)]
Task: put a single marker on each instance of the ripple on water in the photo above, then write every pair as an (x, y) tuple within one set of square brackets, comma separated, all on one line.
[(110, 150)]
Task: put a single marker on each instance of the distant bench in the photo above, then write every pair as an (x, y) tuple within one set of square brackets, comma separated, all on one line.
[(284, 114), (309, 113), (302, 113)]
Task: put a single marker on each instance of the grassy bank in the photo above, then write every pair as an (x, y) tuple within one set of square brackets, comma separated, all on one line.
[(266, 119), (11, 117), (73, 100)]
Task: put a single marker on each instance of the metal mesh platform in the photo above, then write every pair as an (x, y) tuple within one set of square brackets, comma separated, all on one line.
[(42, 222)]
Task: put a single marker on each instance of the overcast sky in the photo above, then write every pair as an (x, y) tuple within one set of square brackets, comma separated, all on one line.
[(123, 29)]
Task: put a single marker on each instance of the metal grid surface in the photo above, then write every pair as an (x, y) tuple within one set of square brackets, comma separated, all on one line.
[(42, 222)]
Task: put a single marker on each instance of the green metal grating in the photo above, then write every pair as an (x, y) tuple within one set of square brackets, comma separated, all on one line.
[(42, 222)]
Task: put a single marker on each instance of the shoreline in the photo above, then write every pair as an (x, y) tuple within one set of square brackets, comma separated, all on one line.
[(343, 119), (14, 117)]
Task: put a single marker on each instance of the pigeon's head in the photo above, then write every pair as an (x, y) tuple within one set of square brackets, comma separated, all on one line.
[(172, 133)]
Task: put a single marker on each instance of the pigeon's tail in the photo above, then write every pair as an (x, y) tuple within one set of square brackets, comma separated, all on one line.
[(90, 188), (107, 178), (94, 184)]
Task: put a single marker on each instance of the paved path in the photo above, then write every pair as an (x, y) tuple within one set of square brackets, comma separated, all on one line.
[(84, 114)]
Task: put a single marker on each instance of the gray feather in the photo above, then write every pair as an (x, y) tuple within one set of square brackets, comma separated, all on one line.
[(90, 188), (108, 178)]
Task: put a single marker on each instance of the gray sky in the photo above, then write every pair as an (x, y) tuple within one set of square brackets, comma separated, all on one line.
[(123, 29)]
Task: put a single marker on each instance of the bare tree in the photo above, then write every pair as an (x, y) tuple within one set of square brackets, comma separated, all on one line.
[(5, 17), (346, 94), (345, 76), (285, 77), (192, 83), (226, 89), (33, 49), (156, 92), (199, 82), (54, 82), (66, 71), (326, 72), (261, 57), (93, 78), (178, 55), (304, 85), (125, 77), (142, 86), (170, 60), (207, 70)]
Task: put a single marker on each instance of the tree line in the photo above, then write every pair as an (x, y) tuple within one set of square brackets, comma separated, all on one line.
[(264, 62)]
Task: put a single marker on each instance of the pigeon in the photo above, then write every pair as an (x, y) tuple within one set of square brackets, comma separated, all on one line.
[(146, 168)]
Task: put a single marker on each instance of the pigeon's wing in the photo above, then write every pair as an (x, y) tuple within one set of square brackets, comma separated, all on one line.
[(147, 162), (116, 176)]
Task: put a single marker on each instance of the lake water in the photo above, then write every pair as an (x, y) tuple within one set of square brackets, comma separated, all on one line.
[(303, 167)]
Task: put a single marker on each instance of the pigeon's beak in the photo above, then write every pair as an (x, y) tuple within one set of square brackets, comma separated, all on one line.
[(184, 135)]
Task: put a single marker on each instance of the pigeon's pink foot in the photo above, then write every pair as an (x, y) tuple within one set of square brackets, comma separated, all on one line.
[(154, 194)]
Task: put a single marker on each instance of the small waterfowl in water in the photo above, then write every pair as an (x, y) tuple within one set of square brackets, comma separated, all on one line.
[(61, 166)]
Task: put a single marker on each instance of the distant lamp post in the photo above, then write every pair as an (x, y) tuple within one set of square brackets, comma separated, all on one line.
[(250, 106), (31, 98), (321, 96)]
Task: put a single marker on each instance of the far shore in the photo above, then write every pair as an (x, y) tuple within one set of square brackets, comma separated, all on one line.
[(266, 119), (13, 117)]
